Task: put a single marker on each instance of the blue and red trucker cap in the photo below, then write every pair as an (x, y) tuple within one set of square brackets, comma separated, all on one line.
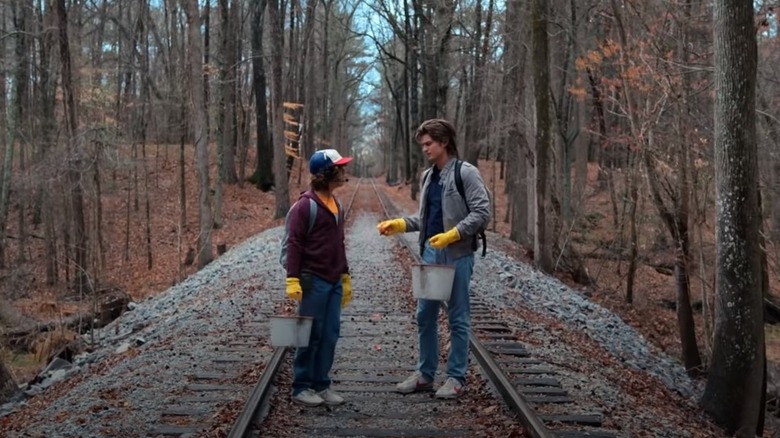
[(325, 159)]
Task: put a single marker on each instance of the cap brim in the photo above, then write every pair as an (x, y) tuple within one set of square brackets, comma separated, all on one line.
[(343, 161)]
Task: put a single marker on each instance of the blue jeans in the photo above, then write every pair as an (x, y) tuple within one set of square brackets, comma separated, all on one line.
[(322, 301), (458, 316)]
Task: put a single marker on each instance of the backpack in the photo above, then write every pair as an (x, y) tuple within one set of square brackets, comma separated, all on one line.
[(312, 218), (462, 191)]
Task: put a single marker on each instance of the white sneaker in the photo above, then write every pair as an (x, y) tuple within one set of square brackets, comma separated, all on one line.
[(331, 397), (308, 397), (415, 382), (451, 389)]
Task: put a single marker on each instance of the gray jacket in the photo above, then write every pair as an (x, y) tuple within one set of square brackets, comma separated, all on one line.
[(454, 210)]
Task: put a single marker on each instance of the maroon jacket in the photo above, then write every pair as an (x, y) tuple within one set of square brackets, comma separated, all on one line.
[(320, 252)]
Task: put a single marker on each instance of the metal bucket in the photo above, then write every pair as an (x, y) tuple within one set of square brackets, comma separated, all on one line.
[(432, 282), (290, 331)]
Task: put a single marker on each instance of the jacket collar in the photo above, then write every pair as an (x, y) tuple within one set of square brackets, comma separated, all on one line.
[(448, 166)]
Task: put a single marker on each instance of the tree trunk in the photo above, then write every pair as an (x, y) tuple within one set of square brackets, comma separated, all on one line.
[(470, 147), (50, 238), (516, 142), (74, 173), (8, 387), (541, 73), (97, 45), (206, 52), (581, 147), (230, 30), (19, 112), (263, 177), (222, 118), (632, 232), (127, 224), (147, 204), (416, 113), (182, 169), (280, 158), (568, 128), (145, 19), (678, 224), (732, 395), (306, 68), (244, 125), (45, 102), (100, 253), (200, 133), (322, 80), (602, 151), (5, 172), (290, 87)]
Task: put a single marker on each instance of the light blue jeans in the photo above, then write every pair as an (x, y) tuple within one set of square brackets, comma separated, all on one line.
[(458, 316), (322, 301)]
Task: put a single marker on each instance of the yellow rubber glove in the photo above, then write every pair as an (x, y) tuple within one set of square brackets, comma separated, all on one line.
[(294, 291), (392, 226), (346, 293), (441, 240)]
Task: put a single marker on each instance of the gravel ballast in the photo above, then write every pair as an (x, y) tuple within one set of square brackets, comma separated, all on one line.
[(144, 358)]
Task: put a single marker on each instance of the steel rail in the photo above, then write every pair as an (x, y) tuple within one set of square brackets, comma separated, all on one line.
[(260, 394), (532, 422)]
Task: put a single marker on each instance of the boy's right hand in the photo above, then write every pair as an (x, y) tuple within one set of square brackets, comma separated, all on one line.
[(392, 226), (294, 291)]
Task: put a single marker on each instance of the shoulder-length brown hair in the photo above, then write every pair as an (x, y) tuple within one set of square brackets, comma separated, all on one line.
[(441, 131)]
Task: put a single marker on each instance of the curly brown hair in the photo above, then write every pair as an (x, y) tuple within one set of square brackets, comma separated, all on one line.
[(441, 131), (321, 181)]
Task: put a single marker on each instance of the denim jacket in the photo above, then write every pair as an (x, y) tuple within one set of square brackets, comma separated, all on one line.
[(454, 211)]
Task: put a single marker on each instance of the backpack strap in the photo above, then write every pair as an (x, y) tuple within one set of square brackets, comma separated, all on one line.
[(462, 191), (312, 213), (459, 182), (312, 219)]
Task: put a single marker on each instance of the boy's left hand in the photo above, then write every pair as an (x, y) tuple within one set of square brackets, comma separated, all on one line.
[(441, 240), (346, 290)]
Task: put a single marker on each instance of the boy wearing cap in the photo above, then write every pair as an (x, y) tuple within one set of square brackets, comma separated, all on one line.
[(318, 276)]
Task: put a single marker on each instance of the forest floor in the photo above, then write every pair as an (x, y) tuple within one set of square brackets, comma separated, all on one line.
[(247, 211)]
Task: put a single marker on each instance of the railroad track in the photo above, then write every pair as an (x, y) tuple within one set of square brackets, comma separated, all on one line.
[(378, 348)]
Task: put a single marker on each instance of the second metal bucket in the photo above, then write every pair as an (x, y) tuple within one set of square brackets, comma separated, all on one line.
[(432, 282)]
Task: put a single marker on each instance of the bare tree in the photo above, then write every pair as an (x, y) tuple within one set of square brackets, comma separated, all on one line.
[(263, 177), (74, 161), (200, 132), (282, 192), (143, 120), (227, 135), (515, 141), (541, 73), (735, 385), (230, 27), (307, 68), (476, 99), (10, 140)]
